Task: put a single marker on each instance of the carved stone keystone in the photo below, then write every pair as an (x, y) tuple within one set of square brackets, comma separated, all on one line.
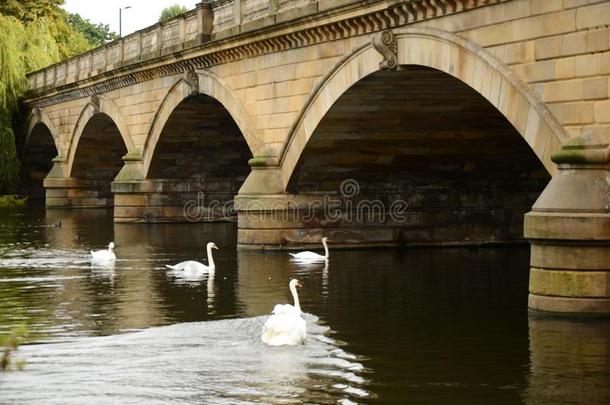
[(192, 79), (385, 43)]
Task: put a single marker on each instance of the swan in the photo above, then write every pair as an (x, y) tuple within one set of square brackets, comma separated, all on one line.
[(193, 266), (104, 255), (311, 256), (286, 326)]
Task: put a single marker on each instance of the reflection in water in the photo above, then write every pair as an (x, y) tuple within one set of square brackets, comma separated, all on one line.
[(262, 281), (103, 270), (564, 354), (431, 325), (194, 278)]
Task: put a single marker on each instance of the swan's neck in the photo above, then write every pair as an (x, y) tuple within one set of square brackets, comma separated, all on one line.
[(210, 258), (325, 249), (295, 296)]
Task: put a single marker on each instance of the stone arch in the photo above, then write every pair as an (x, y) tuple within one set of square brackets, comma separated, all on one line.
[(39, 116), (204, 83), (450, 54), (38, 152), (97, 105)]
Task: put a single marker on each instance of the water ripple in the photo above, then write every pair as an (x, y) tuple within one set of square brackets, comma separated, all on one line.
[(218, 362)]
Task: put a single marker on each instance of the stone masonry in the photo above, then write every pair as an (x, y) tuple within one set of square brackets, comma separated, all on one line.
[(465, 113)]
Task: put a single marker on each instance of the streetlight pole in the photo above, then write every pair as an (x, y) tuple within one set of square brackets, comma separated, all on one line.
[(121, 20)]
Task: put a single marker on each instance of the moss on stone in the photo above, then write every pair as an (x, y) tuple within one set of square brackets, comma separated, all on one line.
[(569, 156), (258, 161)]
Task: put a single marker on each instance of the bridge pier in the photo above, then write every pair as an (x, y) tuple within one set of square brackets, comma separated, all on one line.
[(289, 221), (381, 213), (64, 191), (569, 231), (137, 199), (71, 192), (171, 200)]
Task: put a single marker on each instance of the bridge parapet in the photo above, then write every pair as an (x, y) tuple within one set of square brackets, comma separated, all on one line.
[(216, 20), (184, 31), (210, 20)]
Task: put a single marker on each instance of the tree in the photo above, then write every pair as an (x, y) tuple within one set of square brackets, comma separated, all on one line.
[(33, 34), (31, 10), (171, 12), (96, 34)]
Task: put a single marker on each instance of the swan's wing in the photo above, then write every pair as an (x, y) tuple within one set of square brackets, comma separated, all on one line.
[(302, 255), (273, 329), (187, 265), (307, 256), (284, 329), (196, 266), (283, 323), (298, 331), (102, 255), (284, 309), (179, 266)]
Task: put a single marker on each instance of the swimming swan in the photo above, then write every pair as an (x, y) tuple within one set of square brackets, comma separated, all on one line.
[(285, 326), (311, 256), (104, 255), (193, 266)]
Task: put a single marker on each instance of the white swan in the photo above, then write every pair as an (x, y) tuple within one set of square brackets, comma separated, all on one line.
[(285, 326), (104, 255), (311, 256), (193, 266)]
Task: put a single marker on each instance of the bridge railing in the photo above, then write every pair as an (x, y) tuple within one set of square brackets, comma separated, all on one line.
[(210, 20)]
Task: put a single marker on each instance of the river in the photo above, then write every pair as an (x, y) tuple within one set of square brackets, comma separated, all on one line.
[(384, 325)]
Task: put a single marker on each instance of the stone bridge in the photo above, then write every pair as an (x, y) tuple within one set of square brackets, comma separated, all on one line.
[(377, 122)]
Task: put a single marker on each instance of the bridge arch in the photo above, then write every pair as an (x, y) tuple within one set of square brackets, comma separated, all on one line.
[(97, 106), (205, 84), (100, 140), (447, 53), (452, 134), (195, 157), (40, 146), (37, 117)]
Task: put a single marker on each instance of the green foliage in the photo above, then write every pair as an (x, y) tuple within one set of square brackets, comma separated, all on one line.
[(12, 85), (33, 34), (171, 12), (96, 34), (9, 164), (16, 337), (32, 10), (9, 201)]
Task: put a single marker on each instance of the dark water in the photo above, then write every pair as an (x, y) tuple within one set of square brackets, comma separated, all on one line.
[(384, 326)]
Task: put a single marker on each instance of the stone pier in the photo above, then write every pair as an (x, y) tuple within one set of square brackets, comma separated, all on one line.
[(172, 200), (569, 230)]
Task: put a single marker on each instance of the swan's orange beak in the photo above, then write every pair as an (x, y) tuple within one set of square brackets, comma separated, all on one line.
[(299, 284), (215, 247)]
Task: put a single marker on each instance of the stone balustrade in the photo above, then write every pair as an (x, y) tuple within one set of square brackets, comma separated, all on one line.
[(210, 20)]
